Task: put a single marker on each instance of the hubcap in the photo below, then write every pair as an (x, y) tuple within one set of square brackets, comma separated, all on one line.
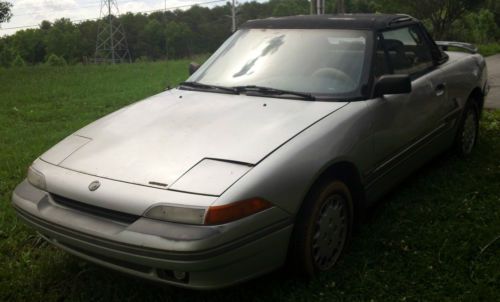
[(469, 132), (330, 232)]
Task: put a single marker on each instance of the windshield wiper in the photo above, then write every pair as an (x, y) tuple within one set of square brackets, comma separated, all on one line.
[(201, 86), (273, 91)]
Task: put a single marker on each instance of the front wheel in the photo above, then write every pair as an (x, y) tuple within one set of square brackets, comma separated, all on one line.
[(323, 229), (468, 130)]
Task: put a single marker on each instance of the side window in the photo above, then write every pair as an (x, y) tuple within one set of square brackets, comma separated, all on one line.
[(380, 66), (408, 50)]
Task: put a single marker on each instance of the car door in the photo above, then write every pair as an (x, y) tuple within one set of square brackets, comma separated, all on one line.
[(401, 122)]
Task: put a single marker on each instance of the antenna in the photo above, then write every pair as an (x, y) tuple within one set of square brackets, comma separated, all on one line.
[(111, 45)]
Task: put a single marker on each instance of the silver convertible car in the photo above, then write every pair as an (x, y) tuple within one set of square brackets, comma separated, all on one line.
[(272, 150)]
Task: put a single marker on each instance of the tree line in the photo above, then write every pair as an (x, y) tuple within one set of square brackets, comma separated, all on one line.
[(200, 30)]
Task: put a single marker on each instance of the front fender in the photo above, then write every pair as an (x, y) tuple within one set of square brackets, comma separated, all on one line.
[(285, 177)]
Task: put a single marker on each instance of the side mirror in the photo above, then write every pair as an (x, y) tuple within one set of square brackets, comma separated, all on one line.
[(193, 66), (392, 84)]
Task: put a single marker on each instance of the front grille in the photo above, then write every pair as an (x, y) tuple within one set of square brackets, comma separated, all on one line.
[(94, 210)]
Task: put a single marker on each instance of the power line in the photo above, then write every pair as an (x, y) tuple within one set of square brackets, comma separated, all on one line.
[(79, 6), (37, 25), (27, 6), (140, 12), (58, 10)]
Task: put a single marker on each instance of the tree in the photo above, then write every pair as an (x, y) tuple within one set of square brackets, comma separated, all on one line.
[(54, 60), (361, 6), (18, 62), (7, 56), (290, 7), (45, 25), (494, 7), (87, 42), (134, 25), (154, 36), (440, 13), (5, 13), (63, 39), (178, 36), (476, 27), (30, 45)]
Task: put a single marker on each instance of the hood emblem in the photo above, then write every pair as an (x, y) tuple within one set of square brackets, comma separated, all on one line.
[(94, 185)]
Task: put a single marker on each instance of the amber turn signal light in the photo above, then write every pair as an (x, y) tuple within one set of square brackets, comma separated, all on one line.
[(234, 211)]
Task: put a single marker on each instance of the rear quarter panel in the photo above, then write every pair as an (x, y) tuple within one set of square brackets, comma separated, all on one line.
[(463, 73)]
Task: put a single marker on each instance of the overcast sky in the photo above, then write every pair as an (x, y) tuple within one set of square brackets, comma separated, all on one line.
[(33, 12)]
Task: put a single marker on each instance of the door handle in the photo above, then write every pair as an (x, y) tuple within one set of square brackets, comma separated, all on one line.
[(440, 89)]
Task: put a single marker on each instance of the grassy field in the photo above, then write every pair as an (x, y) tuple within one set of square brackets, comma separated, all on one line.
[(434, 238), (489, 49)]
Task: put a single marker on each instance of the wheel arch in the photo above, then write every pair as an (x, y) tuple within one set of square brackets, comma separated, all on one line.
[(342, 170), (478, 96), (348, 173)]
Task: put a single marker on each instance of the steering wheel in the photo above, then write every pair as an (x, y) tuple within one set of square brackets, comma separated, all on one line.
[(334, 74)]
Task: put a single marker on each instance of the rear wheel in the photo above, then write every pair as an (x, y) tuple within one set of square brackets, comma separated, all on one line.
[(468, 130), (323, 229)]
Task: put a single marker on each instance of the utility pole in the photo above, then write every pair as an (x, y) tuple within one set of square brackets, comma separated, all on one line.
[(321, 7), (341, 6), (317, 7), (233, 16), (111, 44)]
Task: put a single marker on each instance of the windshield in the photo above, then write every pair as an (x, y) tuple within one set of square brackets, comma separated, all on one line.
[(318, 61)]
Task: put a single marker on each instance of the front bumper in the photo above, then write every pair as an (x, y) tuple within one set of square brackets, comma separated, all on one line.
[(140, 249)]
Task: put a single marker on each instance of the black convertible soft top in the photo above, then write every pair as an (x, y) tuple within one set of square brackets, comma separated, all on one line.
[(342, 21)]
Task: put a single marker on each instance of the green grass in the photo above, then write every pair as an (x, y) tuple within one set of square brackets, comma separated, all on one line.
[(489, 49), (485, 50), (426, 241)]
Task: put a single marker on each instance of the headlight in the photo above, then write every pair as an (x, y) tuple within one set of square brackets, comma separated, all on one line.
[(36, 178), (212, 216), (177, 214)]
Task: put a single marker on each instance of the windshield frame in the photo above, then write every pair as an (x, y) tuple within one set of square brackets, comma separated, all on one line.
[(360, 92)]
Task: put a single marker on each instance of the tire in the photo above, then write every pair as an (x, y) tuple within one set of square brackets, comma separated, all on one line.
[(323, 229), (468, 130)]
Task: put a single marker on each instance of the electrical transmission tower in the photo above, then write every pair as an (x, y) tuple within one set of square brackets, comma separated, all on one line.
[(111, 45)]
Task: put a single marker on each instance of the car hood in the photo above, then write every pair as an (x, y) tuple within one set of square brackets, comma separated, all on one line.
[(161, 138)]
